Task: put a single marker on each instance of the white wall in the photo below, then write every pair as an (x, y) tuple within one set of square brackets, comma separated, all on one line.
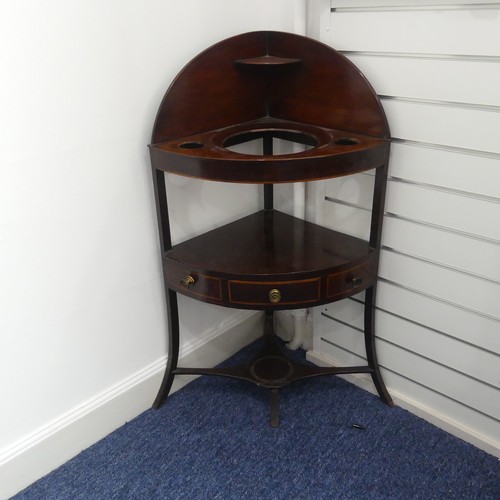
[(436, 67), (82, 308)]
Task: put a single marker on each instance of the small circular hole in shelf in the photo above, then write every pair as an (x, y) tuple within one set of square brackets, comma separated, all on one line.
[(346, 141), (191, 145)]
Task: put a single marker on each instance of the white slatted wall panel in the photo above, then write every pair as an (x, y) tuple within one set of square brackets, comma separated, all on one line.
[(436, 67)]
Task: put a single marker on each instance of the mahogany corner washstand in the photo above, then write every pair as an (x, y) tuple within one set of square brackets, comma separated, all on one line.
[(270, 85)]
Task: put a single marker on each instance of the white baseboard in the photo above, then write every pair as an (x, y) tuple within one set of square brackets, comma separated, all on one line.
[(364, 381), (60, 440)]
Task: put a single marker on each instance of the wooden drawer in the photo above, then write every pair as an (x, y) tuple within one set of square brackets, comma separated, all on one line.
[(200, 286), (251, 293), (352, 281), (278, 293)]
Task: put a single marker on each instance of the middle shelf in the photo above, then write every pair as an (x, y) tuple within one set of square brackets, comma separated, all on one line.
[(271, 260)]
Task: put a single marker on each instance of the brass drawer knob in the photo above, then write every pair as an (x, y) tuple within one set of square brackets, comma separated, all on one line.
[(188, 281), (274, 296), (357, 281)]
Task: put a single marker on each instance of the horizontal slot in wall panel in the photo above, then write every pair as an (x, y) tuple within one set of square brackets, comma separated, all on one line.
[(449, 249), (474, 329), (347, 339), (441, 348), (435, 403), (436, 79), (468, 32), (350, 312), (437, 377), (470, 173), (438, 403), (350, 220), (464, 290), (442, 318), (470, 361), (413, 4), (455, 126), (332, 348), (461, 213), (357, 189), (481, 397), (436, 68)]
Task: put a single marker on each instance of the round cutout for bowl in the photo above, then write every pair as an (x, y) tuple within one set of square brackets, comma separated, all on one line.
[(292, 138)]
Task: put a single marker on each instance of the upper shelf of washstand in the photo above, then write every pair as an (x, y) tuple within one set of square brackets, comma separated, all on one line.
[(269, 84), (329, 153)]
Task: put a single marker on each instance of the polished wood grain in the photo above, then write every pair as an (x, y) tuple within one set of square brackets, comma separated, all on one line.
[(247, 258), (269, 82), (270, 86), (206, 155), (268, 61), (215, 90)]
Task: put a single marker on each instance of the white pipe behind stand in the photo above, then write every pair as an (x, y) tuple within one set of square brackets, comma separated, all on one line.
[(299, 315)]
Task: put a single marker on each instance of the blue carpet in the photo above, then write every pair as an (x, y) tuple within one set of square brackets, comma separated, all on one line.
[(212, 440)]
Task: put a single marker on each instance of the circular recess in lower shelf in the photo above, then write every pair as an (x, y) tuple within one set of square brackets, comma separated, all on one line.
[(271, 370)]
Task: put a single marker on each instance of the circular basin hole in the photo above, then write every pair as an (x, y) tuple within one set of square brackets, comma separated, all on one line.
[(191, 145), (346, 141), (289, 141)]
